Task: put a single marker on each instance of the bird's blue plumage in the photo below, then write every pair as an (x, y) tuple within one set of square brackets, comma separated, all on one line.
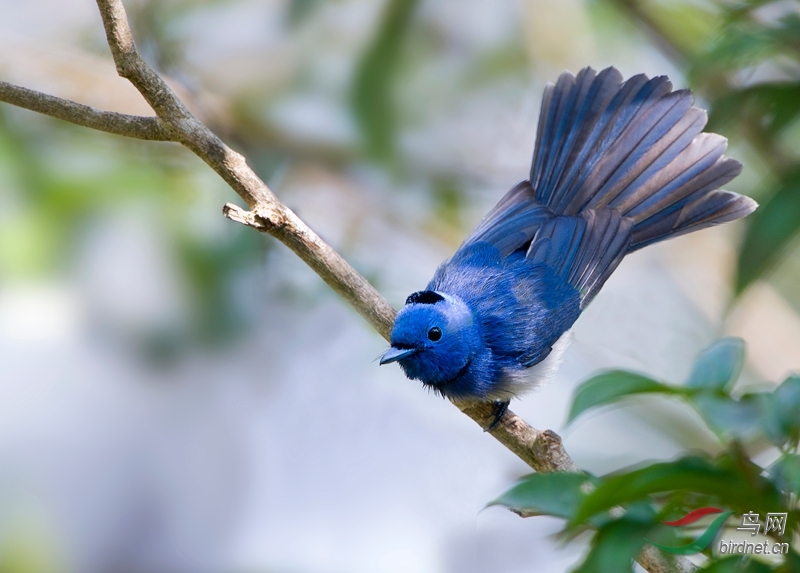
[(617, 166)]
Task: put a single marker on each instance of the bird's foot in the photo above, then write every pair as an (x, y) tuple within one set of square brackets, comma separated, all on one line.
[(500, 409)]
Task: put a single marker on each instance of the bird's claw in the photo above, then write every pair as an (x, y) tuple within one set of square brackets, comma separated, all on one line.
[(500, 409)]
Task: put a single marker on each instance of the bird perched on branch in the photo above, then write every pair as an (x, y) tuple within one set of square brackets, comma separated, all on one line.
[(617, 166)]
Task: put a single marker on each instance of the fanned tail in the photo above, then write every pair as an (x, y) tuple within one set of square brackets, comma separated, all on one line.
[(617, 166), (636, 147)]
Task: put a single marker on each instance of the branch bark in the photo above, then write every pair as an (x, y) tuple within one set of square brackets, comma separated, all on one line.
[(541, 450), (138, 127)]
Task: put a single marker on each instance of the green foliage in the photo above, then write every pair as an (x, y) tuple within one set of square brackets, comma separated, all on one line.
[(689, 25), (782, 423), (774, 105), (786, 473), (737, 565), (742, 59), (730, 479), (372, 97), (708, 390), (763, 111), (614, 546), (626, 507), (557, 493), (300, 10), (772, 230), (610, 387), (54, 203), (718, 367)]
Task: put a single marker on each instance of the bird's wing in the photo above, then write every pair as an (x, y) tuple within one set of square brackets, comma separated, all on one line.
[(582, 250), (635, 146), (527, 301), (511, 224)]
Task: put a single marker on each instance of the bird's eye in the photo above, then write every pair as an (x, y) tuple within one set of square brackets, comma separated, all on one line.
[(435, 334)]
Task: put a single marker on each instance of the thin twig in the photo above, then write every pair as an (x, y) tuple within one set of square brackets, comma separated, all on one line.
[(655, 561), (272, 216), (284, 225), (542, 450), (149, 128), (189, 131)]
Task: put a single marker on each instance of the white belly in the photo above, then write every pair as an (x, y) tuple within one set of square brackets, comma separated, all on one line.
[(519, 382)]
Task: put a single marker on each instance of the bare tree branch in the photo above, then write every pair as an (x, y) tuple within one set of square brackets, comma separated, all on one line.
[(284, 225), (150, 128), (541, 450), (189, 131), (272, 216), (655, 561)]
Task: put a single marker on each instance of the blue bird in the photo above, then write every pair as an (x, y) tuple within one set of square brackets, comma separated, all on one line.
[(617, 166)]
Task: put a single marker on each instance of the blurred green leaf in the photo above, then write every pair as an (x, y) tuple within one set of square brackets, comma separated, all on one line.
[(748, 76), (772, 228), (772, 107), (786, 473), (372, 89), (731, 418), (511, 59), (781, 419), (29, 246), (299, 10), (747, 40), (689, 25), (743, 10), (792, 564), (718, 366), (700, 543), (611, 387), (450, 202), (557, 494), (55, 200), (736, 485), (211, 268), (737, 565), (614, 547)]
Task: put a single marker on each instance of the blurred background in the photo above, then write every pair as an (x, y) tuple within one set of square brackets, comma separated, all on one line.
[(181, 394)]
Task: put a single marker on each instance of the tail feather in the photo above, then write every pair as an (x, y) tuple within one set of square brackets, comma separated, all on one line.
[(512, 223), (686, 178), (634, 158), (584, 249), (601, 152), (624, 160), (711, 209), (699, 162), (636, 147), (572, 100), (721, 206)]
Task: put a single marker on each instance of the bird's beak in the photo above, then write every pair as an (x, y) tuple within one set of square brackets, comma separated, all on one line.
[(395, 354)]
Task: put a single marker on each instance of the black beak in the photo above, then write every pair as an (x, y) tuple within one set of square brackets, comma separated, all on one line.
[(395, 354)]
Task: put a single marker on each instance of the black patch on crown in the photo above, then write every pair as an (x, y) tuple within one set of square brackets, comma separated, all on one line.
[(424, 297)]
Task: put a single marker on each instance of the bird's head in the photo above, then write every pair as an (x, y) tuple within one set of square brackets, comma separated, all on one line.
[(434, 338)]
